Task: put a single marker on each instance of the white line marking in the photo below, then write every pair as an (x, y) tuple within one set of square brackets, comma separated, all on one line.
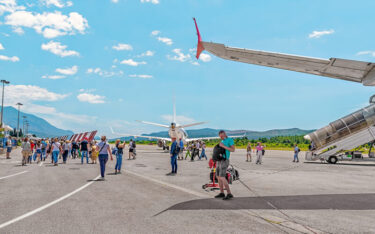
[(41, 164), (198, 194), (19, 173), (47, 205)]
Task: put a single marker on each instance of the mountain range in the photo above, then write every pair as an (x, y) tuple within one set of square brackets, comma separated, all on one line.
[(37, 125), (210, 132), (42, 128)]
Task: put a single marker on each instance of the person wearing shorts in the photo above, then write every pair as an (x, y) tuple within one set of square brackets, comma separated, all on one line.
[(26, 151), (222, 166)]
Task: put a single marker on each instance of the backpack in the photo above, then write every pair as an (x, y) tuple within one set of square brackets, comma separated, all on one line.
[(177, 149), (219, 153)]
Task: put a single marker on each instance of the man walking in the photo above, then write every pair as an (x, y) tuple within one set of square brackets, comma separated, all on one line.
[(174, 152), (203, 154), (9, 145), (84, 150), (296, 151), (222, 166)]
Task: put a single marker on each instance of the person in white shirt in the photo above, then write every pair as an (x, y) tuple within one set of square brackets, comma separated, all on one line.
[(56, 148)]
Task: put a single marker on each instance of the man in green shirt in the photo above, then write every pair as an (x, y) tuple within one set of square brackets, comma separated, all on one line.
[(222, 166)]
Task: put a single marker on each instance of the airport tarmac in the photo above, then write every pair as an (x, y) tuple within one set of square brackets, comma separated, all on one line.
[(276, 197)]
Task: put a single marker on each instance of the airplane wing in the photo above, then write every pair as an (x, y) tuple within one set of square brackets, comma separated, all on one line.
[(211, 138), (155, 124), (350, 70), (193, 124), (154, 138), (140, 136)]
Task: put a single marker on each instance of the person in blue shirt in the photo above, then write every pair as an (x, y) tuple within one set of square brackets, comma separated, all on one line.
[(181, 153), (296, 151), (174, 152), (221, 166)]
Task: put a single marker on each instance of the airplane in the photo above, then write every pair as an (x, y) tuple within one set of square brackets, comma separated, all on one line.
[(175, 130), (344, 69)]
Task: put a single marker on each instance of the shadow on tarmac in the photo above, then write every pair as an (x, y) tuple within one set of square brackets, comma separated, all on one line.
[(297, 202), (344, 164)]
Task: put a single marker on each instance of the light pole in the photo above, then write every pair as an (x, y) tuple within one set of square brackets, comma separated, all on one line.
[(18, 121), (27, 127), (2, 101), (23, 125)]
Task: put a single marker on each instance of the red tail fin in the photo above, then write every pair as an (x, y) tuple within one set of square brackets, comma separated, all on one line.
[(200, 47)]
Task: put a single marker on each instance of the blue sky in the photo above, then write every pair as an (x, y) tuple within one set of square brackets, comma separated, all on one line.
[(93, 64)]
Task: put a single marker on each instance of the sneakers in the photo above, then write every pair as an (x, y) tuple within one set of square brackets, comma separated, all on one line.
[(220, 195), (228, 197), (169, 174)]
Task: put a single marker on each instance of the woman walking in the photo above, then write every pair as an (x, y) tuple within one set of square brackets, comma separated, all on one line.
[(56, 149), (38, 151), (203, 154), (66, 147), (248, 155), (26, 151), (119, 152), (104, 150)]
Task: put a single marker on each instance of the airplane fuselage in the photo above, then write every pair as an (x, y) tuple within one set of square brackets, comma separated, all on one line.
[(178, 133)]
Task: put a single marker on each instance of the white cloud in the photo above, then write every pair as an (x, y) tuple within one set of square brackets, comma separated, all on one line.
[(50, 24), (165, 40), (131, 62), (11, 59), (9, 6), (205, 57), (58, 49), (104, 73), (318, 34), (57, 3), (18, 31), (60, 119), (1, 46), (90, 98), (179, 56), (68, 71), (53, 77), (121, 46), (155, 32), (114, 1), (150, 1), (141, 76), (368, 52), (179, 118), (148, 53), (29, 93)]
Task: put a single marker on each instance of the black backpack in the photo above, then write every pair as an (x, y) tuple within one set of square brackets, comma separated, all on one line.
[(218, 153)]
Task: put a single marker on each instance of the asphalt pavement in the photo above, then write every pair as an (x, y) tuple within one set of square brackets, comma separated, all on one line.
[(276, 197)]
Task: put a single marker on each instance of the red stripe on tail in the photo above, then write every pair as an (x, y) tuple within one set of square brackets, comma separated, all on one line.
[(200, 47)]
